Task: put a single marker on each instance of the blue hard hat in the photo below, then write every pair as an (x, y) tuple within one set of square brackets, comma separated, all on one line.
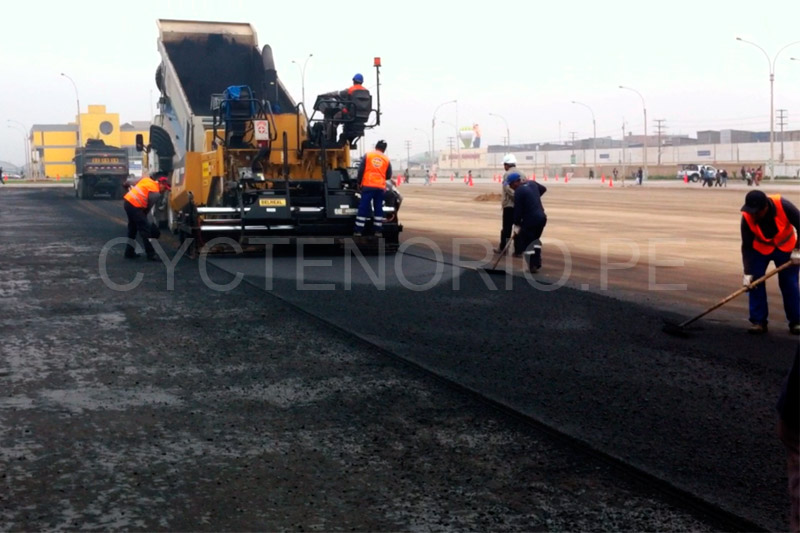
[(358, 78), (514, 176)]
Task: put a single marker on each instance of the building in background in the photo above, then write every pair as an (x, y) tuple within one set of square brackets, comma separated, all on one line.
[(53, 145)]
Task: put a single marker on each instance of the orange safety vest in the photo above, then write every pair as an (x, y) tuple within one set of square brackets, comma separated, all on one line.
[(375, 166), (356, 87), (785, 238), (138, 194)]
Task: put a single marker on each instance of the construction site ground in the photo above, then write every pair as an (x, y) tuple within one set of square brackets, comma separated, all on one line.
[(273, 402)]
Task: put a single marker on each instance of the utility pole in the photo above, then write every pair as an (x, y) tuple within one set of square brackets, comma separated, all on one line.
[(572, 143), (408, 154), (660, 130), (782, 117), (624, 160), (450, 141)]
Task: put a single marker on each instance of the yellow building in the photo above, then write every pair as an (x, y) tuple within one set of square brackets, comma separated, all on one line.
[(53, 145)]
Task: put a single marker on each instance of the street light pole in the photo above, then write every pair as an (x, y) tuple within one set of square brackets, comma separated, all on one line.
[(24, 147), (433, 124), (303, 78), (458, 143), (771, 65), (594, 136), (27, 145), (508, 135), (644, 108), (78, 116)]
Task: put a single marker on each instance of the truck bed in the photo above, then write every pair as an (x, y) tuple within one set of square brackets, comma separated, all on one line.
[(209, 57)]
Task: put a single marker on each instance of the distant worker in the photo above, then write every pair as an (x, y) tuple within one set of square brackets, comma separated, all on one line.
[(373, 171), (507, 201), (2, 177), (138, 201), (789, 433), (769, 228), (639, 175), (529, 219), (615, 172)]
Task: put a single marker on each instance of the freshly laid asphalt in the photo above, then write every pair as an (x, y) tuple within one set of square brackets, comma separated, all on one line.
[(194, 408)]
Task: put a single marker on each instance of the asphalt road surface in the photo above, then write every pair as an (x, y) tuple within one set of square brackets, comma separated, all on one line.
[(186, 404)]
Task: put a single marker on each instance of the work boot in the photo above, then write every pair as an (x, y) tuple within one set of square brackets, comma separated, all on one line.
[(794, 328), (757, 329)]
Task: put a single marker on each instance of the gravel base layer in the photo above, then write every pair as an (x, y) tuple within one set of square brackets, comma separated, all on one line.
[(193, 409)]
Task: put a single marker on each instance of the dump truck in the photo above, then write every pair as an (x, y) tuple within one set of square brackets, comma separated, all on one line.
[(245, 160), (100, 169)]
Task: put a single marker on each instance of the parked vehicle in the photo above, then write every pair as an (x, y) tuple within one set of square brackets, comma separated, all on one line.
[(692, 172)]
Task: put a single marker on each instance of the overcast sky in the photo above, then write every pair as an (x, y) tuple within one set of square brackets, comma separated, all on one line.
[(525, 64)]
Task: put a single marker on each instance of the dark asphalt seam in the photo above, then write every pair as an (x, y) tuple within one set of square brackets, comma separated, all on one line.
[(721, 518)]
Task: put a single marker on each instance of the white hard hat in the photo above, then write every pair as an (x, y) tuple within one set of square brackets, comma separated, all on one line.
[(509, 159)]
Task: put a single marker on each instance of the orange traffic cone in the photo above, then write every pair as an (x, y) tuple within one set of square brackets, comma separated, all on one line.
[(534, 176), (451, 177), (686, 178), (610, 181), (545, 177), (470, 181), (58, 177), (566, 178), (556, 176), (602, 178)]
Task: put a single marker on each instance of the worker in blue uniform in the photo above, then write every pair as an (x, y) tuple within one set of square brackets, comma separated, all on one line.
[(529, 219)]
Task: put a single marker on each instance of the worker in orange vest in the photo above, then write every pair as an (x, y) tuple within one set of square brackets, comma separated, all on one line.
[(353, 102), (373, 171), (138, 201), (769, 227)]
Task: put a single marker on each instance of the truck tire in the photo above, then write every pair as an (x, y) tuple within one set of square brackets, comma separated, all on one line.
[(117, 192), (83, 189)]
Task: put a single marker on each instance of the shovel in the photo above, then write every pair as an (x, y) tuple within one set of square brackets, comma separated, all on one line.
[(678, 330), (494, 269)]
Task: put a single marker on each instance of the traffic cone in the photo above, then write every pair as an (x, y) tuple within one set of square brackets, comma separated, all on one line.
[(533, 177), (610, 181), (556, 176), (470, 181), (602, 178), (58, 177), (545, 177), (686, 178), (566, 178), (451, 177)]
